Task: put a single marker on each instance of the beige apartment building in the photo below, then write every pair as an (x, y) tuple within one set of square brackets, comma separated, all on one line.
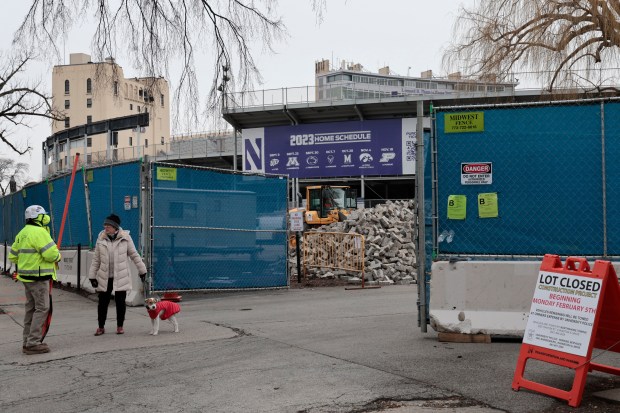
[(88, 92)]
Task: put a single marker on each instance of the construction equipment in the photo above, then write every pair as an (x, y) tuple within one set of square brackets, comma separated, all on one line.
[(326, 204)]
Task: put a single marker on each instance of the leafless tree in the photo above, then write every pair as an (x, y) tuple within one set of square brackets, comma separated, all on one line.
[(561, 42), (160, 34), (20, 100), (12, 170)]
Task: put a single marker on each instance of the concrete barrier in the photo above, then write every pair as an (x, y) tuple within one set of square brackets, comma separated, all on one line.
[(482, 297), (67, 274)]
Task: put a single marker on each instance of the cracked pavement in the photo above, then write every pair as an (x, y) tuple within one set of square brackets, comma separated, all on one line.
[(305, 350)]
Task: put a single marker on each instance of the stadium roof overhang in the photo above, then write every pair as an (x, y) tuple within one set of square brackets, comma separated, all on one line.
[(385, 108)]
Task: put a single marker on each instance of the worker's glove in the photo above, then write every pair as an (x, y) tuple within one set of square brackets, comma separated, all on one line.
[(142, 276), (14, 276), (94, 283)]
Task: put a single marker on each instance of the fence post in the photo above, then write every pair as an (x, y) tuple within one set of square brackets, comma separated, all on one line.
[(297, 251), (419, 180), (79, 267), (4, 270)]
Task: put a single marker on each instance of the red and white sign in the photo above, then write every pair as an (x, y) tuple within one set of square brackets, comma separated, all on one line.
[(562, 312), (476, 173)]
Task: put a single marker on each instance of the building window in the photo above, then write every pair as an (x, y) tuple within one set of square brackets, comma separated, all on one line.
[(161, 99), (115, 88), (162, 140), (66, 87), (89, 119), (89, 103), (131, 106), (89, 86), (140, 93), (138, 108), (131, 141), (67, 104), (67, 123), (114, 139), (146, 143), (89, 142), (61, 147), (89, 159)]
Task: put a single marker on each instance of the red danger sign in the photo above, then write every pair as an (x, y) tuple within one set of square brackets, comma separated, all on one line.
[(476, 168), (476, 173)]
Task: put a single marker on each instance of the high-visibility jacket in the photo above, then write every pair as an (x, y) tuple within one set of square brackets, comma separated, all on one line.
[(35, 254)]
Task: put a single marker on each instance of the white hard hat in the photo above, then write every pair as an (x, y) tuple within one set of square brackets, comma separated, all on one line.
[(33, 211)]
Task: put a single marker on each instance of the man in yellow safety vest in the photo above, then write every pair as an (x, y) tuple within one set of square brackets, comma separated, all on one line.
[(36, 255)]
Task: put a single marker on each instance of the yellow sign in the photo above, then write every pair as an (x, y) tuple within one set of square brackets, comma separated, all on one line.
[(90, 176), (463, 122), (487, 205), (166, 174), (457, 207)]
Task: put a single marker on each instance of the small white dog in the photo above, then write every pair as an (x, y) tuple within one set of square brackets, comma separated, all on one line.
[(164, 310)]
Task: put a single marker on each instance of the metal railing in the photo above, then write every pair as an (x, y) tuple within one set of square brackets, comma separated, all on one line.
[(334, 250), (181, 147)]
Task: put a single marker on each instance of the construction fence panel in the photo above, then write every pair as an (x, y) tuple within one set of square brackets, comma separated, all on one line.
[(106, 191), (76, 229), (540, 182), (215, 229), (611, 127), (115, 189), (335, 251)]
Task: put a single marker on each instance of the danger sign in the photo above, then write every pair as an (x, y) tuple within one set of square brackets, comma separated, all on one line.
[(476, 173)]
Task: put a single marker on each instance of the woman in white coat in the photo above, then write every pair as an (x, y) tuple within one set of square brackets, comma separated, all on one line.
[(109, 270)]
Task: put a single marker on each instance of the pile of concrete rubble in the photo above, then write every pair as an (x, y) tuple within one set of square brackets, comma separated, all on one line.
[(390, 236)]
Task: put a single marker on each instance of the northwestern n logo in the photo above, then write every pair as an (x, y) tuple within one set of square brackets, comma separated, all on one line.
[(253, 140)]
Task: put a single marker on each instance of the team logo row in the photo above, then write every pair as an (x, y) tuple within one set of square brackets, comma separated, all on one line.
[(312, 160)]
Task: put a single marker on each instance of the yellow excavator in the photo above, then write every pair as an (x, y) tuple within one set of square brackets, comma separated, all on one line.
[(326, 204)]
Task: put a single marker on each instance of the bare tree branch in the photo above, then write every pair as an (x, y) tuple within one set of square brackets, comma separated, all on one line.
[(160, 34), (20, 100), (10, 169), (563, 41)]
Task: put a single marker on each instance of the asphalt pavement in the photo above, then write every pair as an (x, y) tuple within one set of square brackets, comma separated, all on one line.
[(305, 350)]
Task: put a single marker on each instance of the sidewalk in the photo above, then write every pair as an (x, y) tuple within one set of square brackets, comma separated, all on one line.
[(74, 321), (314, 350)]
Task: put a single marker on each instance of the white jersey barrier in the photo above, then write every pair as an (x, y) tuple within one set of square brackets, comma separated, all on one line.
[(68, 274)]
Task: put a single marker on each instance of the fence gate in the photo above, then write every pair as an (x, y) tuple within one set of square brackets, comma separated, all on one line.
[(214, 229), (335, 250)]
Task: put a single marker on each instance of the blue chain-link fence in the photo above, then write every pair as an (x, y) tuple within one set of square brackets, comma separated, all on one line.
[(208, 229), (104, 191), (213, 229), (528, 180)]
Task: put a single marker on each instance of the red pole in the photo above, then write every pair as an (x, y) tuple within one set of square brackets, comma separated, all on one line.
[(64, 214), (48, 320)]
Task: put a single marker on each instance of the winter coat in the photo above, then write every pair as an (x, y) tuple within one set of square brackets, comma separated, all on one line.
[(35, 254), (170, 308), (123, 249)]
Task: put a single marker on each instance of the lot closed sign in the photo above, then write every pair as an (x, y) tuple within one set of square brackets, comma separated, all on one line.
[(574, 310), (562, 312)]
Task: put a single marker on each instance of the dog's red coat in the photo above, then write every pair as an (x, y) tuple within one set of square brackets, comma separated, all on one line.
[(169, 308)]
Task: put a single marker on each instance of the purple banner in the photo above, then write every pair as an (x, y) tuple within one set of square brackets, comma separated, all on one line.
[(369, 148)]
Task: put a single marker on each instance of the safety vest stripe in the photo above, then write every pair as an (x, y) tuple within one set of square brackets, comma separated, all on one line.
[(39, 271), (27, 251), (13, 251), (48, 246)]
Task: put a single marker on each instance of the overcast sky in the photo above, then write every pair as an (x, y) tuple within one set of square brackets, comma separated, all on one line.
[(408, 36)]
